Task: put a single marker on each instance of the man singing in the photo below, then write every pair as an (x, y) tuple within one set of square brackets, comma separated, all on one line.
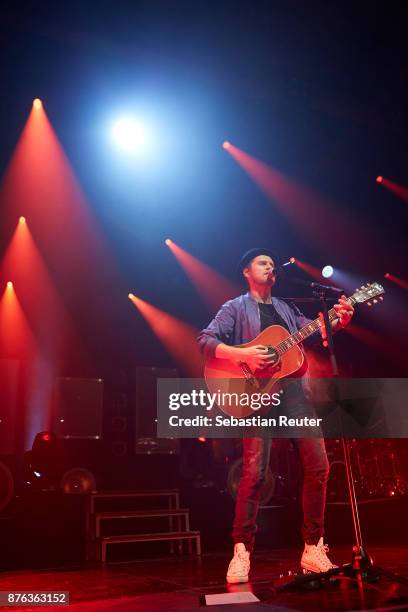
[(239, 321)]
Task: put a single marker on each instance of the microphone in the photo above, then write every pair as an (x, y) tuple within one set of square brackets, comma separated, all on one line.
[(313, 285), (326, 287)]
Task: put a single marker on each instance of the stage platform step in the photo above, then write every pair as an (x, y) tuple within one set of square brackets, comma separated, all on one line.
[(178, 514), (177, 536), (172, 495), (175, 530), (136, 493)]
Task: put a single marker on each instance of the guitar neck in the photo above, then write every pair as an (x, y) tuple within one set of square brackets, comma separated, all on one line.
[(307, 330)]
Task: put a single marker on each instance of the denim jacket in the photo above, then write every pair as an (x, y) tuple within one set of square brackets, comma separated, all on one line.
[(238, 321)]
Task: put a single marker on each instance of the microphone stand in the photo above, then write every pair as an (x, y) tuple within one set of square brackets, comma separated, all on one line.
[(360, 558), (361, 566)]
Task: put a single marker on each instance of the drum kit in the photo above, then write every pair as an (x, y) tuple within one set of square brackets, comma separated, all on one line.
[(380, 468)]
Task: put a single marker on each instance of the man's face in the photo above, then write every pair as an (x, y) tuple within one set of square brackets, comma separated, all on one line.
[(260, 271)]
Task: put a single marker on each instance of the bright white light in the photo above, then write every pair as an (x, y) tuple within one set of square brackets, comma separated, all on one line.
[(129, 134), (327, 271)]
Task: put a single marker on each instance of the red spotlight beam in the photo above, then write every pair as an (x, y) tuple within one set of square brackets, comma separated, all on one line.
[(315, 273), (371, 339), (397, 281), (40, 184), (16, 337), (309, 269), (213, 288), (49, 319), (399, 190), (178, 337), (312, 213)]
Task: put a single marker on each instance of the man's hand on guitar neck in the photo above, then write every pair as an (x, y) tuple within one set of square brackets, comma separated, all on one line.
[(345, 312), (254, 356)]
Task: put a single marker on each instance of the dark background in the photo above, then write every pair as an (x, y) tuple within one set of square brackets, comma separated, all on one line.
[(317, 90)]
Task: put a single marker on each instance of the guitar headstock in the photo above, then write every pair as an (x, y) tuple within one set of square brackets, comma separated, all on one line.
[(370, 293)]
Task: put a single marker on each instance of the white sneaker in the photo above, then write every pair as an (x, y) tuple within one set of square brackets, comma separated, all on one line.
[(315, 559), (238, 568)]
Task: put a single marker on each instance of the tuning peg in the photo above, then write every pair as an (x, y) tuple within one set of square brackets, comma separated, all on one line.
[(362, 287), (369, 304), (381, 298), (375, 301)]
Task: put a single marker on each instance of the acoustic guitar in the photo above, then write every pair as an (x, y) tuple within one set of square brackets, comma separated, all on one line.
[(285, 359)]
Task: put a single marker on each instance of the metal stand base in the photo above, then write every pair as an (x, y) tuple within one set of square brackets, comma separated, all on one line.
[(361, 567)]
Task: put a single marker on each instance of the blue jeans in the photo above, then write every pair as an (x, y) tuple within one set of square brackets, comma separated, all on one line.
[(256, 452)]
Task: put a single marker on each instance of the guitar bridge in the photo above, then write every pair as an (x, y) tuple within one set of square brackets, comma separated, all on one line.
[(249, 375)]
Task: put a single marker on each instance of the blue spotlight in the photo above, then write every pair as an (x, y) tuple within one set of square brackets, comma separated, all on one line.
[(327, 271), (129, 134)]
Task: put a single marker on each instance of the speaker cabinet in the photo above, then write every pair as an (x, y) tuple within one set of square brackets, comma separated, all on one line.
[(78, 408)]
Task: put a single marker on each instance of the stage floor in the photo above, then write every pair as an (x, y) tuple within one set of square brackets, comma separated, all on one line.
[(179, 583)]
